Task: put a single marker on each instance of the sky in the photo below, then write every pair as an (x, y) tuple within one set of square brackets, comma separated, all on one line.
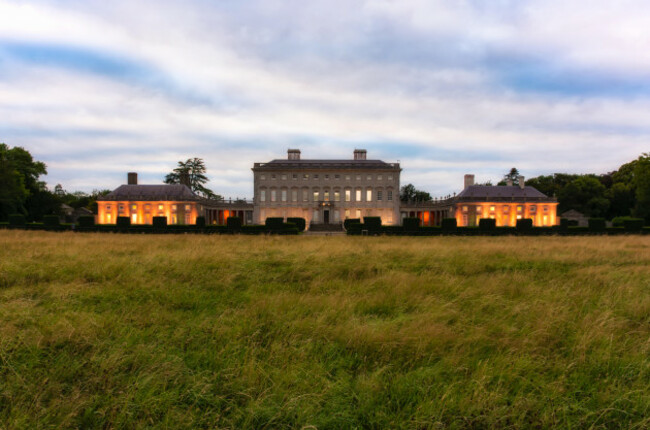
[(96, 89)]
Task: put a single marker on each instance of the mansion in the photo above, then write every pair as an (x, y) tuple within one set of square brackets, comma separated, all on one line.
[(326, 192)]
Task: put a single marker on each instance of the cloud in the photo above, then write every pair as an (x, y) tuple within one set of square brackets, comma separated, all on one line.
[(96, 89)]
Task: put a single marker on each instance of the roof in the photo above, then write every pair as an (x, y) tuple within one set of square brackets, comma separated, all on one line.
[(326, 164), (502, 192), (164, 192), (572, 213)]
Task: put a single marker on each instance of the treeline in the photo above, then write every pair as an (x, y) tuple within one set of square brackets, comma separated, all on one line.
[(624, 192), (22, 191)]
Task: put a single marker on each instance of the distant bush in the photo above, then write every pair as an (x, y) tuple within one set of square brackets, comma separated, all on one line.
[(200, 221), (634, 224), (487, 224), (372, 223), (274, 223), (86, 221), (123, 221), (449, 225), (17, 220), (524, 225), (253, 229), (349, 221), (597, 224), (299, 222), (51, 221), (411, 224), (233, 223)]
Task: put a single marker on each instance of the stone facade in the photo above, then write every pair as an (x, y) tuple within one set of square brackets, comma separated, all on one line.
[(326, 191)]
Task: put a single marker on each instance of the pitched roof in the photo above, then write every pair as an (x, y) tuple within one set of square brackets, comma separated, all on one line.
[(163, 192), (326, 164), (501, 192)]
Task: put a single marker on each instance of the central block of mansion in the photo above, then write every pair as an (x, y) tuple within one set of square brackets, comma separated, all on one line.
[(326, 191)]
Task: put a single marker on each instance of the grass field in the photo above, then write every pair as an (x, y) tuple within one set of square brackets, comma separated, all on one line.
[(123, 331)]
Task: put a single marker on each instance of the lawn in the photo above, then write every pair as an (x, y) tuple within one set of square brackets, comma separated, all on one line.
[(185, 331)]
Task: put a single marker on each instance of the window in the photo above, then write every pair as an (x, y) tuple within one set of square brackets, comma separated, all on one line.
[(389, 195), (518, 216), (533, 209), (369, 178), (294, 177), (284, 176), (263, 177), (506, 209), (294, 195), (380, 195), (134, 207), (315, 196), (358, 177), (379, 177), (358, 196), (188, 208), (108, 207), (305, 176), (337, 177), (147, 207), (465, 208), (492, 208), (520, 209), (315, 176), (347, 195), (479, 209), (337, 196), (134, 218), (368, 195), (337, 216), (273, 176), (263, 195), (315, 218), (188, 219), (347, 177), (284, 195), (327, 177), (358, 213), (326, 196), (347, 213), (545, 220), (545, 209), (273, 197), (108, 218), (390, 177), (305, 196), (174, 208)]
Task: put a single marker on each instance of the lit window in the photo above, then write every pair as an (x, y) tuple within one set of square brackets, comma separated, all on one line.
[(147, 207), (188, 208), (348, 195), (518, 216), (379, 177), (347, 213), (506, 209), (358, 213), (273, 195), (379, 195), (284, 177), (520, 209), (294, 195), (305, 176), (173, 207), (326, 196), (337, 196), (491, 216), (315, 196), (389, 195), (465, 208), (368, 195), (134, 218), (284, 195), (134, 207), (492, 208), (358, 196), (263, 195), (479, 209), (108, 218), (545, 219)]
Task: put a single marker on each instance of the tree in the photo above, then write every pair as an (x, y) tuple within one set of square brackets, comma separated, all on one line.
[(642, 180), (585, 194), (409, 193), (19, 175), (195, 170), (512, 175)]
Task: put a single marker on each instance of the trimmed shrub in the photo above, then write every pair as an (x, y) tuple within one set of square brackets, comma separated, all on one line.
[(350, 221), (392, 230), (215, 229), (51, 221), (449, 225), (123, 221), (253, 229), (564, 224), (354, 228), (372, 223), (17, 220), (525, 225), (634, 224), (411, 224), (487, 224), (200, 221), (597, 224), (274, 223), (86, 221), (299, 222), (159, 222), (233, 223)]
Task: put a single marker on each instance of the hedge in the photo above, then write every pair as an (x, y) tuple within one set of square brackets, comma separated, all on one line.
[(233, 223), (17, 220), (300, 223), (372, 223), (487, 224), (449, 225), (274, 223), (524, 224), (597, 224), (159, 221), (123, 221), (633, 224), (200, 221), (86, 221), (51, 221), (411, 224), (349, 221)]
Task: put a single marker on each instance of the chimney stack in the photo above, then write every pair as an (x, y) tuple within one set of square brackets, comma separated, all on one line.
[(521, 181), (293, 154), (184, 179), (359, 154), (509, 182), (132, 178), (469, 180)]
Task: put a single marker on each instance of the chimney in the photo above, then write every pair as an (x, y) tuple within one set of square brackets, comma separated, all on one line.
[(469, 180), (293, 154), (359, 154), (184, 179), (522, 184), (509, 182), (132, 178)]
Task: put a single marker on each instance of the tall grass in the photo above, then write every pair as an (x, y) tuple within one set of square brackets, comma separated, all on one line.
[(104, 331)]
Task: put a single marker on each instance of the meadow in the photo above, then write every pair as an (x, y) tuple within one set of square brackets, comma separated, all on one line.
[(191, 331)]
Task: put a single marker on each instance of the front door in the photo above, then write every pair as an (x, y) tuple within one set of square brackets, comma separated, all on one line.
[(326, 216)]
